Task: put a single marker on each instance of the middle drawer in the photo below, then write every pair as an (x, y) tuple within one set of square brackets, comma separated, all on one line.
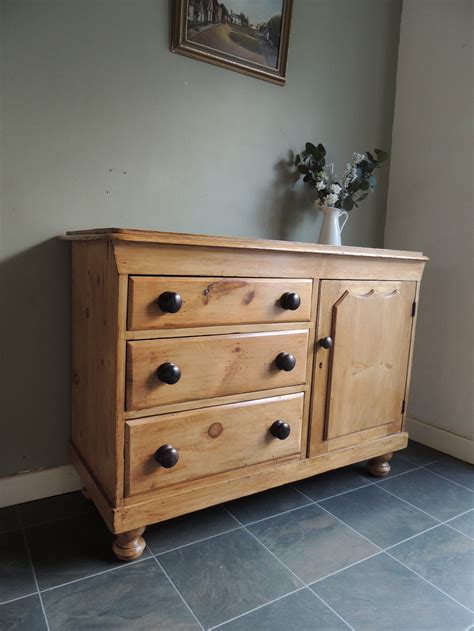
[(174, 370)]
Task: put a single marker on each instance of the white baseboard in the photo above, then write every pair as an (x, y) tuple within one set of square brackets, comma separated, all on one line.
[(437, 438), (35, 485)]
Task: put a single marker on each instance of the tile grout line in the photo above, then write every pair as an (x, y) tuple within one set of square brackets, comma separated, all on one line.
[(356, 488), (441, 523), (272, 553), (191, 543), (466, 512), (379, 479), (291, 571), (410, 504), (459, 531), (422, 532), (306, 496), (316, 503), (333, 610), (346, 567), (428, 581), (33, 571), (270, 602), (380, 549), (12, 600), (310, 502), (285, 512), (397, 475), (443, 477), (84, 578), (178, 592)]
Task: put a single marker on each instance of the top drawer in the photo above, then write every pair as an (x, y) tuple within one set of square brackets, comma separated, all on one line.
[(153, 304)]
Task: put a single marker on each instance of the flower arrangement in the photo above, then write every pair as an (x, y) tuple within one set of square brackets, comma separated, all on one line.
[(331, 190)]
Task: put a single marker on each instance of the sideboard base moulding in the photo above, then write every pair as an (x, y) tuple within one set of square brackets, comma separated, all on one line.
[(205, 369)]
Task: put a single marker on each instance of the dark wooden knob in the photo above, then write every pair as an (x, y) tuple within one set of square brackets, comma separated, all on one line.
[(170, 302), (290, 301), (167, 456), (280, 430), (285, 361), (168, 373), (326, 342)]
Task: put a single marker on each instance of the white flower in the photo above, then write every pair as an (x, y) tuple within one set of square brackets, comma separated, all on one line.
[(335, 188), (330, 199), (357, 158), (321, 185)]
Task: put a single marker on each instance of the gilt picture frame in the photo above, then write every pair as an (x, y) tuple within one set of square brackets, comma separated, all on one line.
[(248, 36)]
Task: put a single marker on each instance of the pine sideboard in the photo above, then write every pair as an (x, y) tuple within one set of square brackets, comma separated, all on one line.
[(207, 368)]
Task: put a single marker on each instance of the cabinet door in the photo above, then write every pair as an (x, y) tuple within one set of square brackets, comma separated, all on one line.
[(360, 381)]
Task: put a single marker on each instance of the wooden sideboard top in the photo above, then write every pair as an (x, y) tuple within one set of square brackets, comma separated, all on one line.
[(203, 240)]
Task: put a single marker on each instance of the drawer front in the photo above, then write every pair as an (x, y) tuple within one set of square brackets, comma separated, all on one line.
[(211, 366), (210, 441), (215, 301)]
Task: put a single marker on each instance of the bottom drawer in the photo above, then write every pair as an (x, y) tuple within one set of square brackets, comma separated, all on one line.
[(210, 441)]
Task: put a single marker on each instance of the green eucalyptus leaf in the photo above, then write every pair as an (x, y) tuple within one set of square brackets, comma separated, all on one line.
[(307, 178), (297, 159), (370, 156), (354, 187), (321, 149), (364, 185), (382, 156), (348, 203), (302, 168)]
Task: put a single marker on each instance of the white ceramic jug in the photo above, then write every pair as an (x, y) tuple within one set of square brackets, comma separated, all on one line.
[(331, 229)]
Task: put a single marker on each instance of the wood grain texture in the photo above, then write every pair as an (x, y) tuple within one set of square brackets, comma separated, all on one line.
[(212, 366), (380, 465), (211, 402), (172, 502), (129, 545), (149, 334), (215, 301), (226, 350), (94, 489), (371, 329), (96, 363), (359, 384), (411, 353), (185, 260), (210, 441), (139, 511), (180, 238)]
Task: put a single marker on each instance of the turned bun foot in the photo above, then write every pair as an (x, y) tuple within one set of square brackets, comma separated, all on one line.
[(128, 546), (85, 494), (379, 466)]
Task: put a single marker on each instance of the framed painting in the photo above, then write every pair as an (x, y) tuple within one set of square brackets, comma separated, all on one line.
[(249, 36)]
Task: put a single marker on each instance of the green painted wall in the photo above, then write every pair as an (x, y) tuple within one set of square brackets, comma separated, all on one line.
[(102, 125)]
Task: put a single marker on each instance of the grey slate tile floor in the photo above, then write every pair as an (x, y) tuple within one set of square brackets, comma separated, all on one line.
[(337, 551)]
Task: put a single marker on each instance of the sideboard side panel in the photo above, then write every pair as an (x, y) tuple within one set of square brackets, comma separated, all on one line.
[(97, 301)]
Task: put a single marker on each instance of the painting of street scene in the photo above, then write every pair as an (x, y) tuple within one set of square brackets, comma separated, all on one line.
[(249, 30)]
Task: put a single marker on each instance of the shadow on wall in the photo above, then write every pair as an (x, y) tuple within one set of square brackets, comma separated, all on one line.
[(287, 204), (35, 346)]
